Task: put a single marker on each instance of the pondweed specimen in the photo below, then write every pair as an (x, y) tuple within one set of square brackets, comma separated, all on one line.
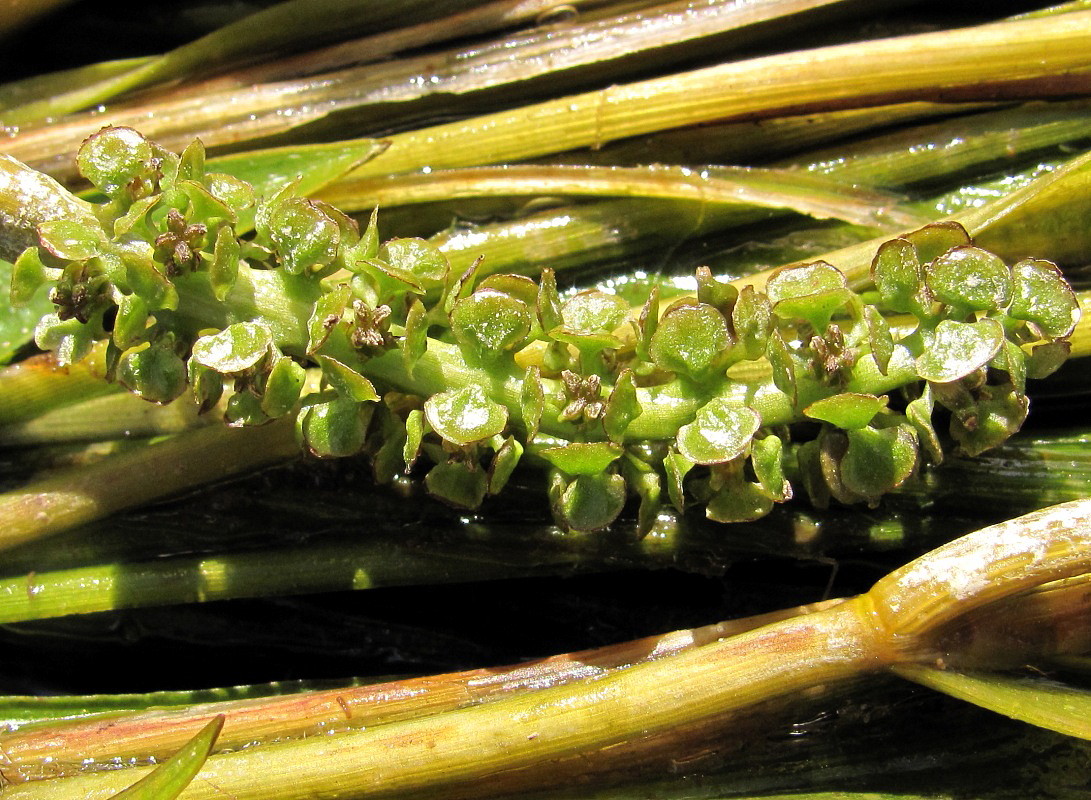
[(475, 371)]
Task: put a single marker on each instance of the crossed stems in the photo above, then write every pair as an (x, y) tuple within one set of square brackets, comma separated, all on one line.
[(613, 709)]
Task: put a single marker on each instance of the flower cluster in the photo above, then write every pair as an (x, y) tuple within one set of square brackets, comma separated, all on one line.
[(265, 307)]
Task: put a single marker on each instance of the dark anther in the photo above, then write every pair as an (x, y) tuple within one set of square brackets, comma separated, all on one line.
[(370, 326), (584, 396), (833, 358), (77, 300), (177, 247)]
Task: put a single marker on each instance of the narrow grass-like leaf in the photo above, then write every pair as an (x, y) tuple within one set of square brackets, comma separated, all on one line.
[(282, 27), (1038, 701), (168, 780), (264, 100), (802, 192), (39, 87), (317, 165), (896, 69)]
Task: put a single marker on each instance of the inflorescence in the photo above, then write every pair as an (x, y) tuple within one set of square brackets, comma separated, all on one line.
[(266, 307)]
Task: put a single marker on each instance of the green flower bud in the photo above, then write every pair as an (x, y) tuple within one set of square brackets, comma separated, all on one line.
[(849, 410), (304, 237), (283, 387), (155, 373), (1043, 297), (676, 466), (812, 292), (120, 163), (958, 348), (503, 464), (738, 501), (70, 240), (532, 401), (346, 381), (457, 484), (878, 460), (235, 349), (582, 458), (969, 279), (590, 502), (334, 429), (622, 407), (767, 458), (423, 260), (488, 324)]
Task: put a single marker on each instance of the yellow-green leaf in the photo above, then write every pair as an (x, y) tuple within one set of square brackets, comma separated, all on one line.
[(168, 780), (1038, 701)]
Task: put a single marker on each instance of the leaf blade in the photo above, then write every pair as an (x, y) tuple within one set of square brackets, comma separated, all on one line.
[(1036, 701), (168, 780)]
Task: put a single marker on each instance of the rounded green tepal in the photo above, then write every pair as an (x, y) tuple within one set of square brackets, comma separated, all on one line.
[(235, 349), (690, 339), (464, 416), (591, 502), (968, 277), (489, 323), (114, 158), (720, 432)]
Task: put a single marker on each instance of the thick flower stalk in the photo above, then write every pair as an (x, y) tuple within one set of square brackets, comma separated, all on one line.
[(284, 306)]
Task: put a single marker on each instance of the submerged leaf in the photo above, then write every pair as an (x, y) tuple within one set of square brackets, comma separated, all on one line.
[(167, 780), (1038, 701)]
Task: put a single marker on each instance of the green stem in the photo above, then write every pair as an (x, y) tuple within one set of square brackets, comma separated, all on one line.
[(272, 572), (715, 186), (118, 415), (54, 749), (73, 497), (615, 230), (525, 733), (38, 386), (963, 61), (945, 149), (609, 719)]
